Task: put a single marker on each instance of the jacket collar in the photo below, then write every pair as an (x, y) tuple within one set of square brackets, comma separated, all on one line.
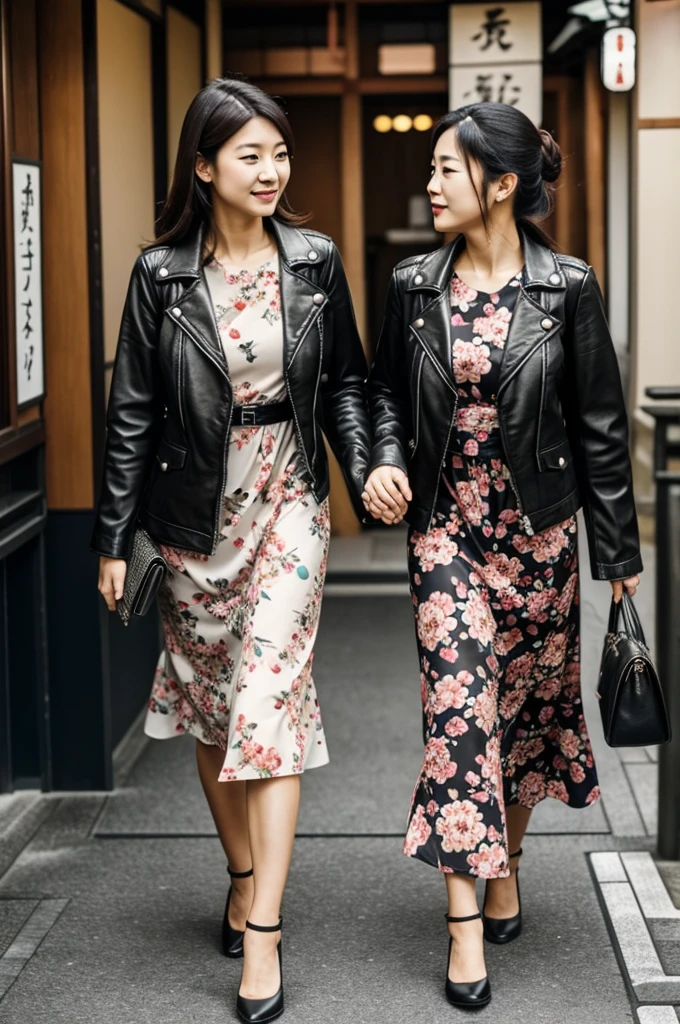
[(433, 272), (184, 259)]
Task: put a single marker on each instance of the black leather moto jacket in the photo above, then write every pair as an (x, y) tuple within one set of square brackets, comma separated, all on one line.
[(560, 403), (170, 406)]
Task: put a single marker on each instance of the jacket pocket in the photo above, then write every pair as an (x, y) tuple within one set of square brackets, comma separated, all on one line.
[(557, 457), (170, 456)]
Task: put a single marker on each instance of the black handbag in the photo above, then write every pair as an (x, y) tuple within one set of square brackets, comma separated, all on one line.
[(631, 699), (146, 569)]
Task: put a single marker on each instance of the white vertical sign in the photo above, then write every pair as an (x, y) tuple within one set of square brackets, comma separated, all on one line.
[(495, 55), (26, 198), (618, 59)]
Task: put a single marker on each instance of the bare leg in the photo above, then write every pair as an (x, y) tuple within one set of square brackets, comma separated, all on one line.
[(272, 815), (467, 950), (501, 893), (227, 802)]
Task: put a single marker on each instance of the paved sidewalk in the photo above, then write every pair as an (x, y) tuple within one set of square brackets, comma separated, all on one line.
[(112, 911)]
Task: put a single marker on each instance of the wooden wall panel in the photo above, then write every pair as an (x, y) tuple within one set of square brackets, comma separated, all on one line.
[(184, 75), (594, 129), (68, 411), (24, 79), (315, 174)]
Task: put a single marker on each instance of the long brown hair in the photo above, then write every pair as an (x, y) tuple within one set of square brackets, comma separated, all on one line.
[(216, 113)]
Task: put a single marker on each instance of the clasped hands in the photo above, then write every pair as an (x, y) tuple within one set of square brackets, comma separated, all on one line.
[(386, 494)]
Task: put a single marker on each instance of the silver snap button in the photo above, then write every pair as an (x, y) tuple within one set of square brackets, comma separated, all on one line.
[(324, 378), (554, 278), (163, 272), (317, 299), (412, 444), (418, 279), (311, 255), (560, 461), (419, 322), (546, 324), (177, 311), (164, 467)]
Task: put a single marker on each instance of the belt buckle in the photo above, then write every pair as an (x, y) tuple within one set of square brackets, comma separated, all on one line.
[(248, 416)]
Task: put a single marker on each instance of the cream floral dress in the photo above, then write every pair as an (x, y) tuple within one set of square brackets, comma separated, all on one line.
[(240, 625)]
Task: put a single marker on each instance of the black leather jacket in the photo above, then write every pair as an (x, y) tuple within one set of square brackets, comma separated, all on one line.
[(560, 403), (171, 401)]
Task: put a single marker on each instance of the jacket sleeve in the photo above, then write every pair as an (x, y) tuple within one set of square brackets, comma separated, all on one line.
[(343, 394), (388, 398), (133, 420), (596, 417)]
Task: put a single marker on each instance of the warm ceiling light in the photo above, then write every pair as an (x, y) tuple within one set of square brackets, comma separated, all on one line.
[(402, 123), (382, 123), (422, 122)]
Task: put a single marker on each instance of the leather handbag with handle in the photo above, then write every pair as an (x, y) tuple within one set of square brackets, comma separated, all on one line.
[(146, 569), (631, 699)]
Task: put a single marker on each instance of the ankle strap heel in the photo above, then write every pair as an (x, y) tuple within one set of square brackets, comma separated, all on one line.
[(239, 874), (259, 1011), (232, 938), (465, 995), (265, 927)]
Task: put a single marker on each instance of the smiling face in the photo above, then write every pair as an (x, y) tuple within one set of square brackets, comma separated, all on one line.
[(250, 171), (455, 195)]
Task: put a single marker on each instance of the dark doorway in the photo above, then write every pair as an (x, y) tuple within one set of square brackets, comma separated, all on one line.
[(398, 222)]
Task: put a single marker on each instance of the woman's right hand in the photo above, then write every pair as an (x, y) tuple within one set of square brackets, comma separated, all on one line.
[(111, 580), (387, 494)]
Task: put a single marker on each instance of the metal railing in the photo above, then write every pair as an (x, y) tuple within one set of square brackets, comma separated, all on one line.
[(667, 533)]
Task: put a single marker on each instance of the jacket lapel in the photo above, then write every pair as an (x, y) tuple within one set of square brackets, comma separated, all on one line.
[(302, 301), (532, 323), (432, 324), (192, 309)]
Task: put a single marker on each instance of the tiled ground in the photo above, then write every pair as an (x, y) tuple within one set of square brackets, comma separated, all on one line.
[(111, 913)]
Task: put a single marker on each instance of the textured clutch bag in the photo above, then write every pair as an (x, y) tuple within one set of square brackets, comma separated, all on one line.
[(631, 699), (146, 570)]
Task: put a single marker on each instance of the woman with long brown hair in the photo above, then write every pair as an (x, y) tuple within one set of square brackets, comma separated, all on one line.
[(238, 340)]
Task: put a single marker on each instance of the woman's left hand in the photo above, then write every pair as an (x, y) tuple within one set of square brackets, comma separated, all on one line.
[(631, 585)]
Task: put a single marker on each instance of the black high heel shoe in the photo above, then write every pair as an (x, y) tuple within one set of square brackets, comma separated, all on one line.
[(466, 995), (258, 1011), (500, 930), (232, 938)]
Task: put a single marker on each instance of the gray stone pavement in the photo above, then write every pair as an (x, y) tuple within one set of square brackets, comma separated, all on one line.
[(111, 911)]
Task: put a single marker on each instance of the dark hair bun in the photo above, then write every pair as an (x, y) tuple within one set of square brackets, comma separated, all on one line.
[(552, 156)]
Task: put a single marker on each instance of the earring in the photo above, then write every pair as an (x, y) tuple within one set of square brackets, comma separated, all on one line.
[(499, 199)]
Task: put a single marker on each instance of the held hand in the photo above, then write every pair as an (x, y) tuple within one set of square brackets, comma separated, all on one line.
[(631, 585), (387, 493), (111, 580)]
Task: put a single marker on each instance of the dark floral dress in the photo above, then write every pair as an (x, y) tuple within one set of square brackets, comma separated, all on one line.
[(497, 623)]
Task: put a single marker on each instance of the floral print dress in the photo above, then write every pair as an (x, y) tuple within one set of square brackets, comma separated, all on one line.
[(497, 625), (240, 625)]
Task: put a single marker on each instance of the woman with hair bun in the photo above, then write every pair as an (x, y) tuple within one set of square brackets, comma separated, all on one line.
[(497, 413)]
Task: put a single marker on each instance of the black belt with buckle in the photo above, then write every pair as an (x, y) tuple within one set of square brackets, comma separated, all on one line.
[(261, 415)]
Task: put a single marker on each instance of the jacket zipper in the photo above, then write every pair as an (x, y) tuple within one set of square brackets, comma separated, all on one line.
[(526, 522), (307, 327), (225, 453), (180, 405), (442, 461), (318, 381), (298, 433), (419, 378)]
